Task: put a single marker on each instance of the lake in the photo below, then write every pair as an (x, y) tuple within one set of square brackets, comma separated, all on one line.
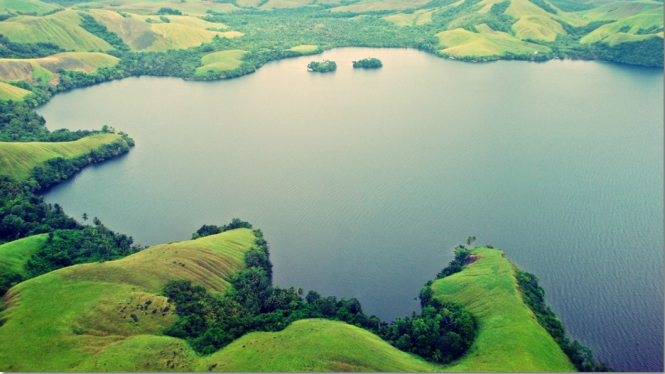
[(364, 180)]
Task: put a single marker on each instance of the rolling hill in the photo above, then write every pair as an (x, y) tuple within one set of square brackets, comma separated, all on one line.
[(80, 319)]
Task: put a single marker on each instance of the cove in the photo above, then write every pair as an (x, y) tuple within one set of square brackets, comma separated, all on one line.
[(364, 180)]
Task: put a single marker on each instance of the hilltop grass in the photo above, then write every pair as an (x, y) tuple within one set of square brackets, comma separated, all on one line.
[(26, 6), (18, 159), (315, 345), (629, 25), (44, 69), (61, 28), (509, 337), (61, 320), (150, 33), (14, 255), (374, 5), (9, 92), (305, 49), (485, 43), (220, 61), (537, 28)]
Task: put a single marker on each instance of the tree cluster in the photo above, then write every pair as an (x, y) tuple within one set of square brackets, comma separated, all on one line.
[(322, 67), (169, 11), (10, 49), (368, 63)]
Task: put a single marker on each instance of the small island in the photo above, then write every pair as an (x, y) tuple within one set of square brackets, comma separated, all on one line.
[(322, 67), (368, 63)]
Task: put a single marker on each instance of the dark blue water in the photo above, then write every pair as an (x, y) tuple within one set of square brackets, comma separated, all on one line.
[(363, 181)]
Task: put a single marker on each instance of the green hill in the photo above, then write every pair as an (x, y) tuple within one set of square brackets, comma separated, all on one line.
[(220, 61), (62, 320), (18, 159), (79, 319), (14, 255), (509, 337), (9, 92), (61, 28), (26, 6), (45, 68)]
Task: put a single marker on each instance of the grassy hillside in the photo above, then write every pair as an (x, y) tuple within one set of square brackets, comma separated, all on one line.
[(151, 33), (509, 337), (79, 319), (9, 92), (18, 159), (62, 28), (485, 43), (14, 255), (220, 61), (315, 345), (26, 6), (305, 48), (60, 321), (44, 69)]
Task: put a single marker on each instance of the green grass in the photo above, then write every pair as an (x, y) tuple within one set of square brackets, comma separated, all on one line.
[(61, 28), (18, 159), (537, 28), (14, 255), (78, 319), (62, 321), (180, 32), (26, 6), (373, 5), (621, 9), (486, 43), (9, 92), (45, 68), (509, 337), (305, 48), (315, 345), (220, 61), (632, 23)]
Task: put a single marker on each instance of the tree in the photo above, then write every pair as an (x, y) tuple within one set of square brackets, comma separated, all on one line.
[(85, 216)]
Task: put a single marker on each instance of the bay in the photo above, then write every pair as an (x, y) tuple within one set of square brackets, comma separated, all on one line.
[(364, 180)]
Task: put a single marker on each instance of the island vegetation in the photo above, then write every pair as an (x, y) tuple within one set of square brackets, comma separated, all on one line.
[(368, 63), (322, 67)]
